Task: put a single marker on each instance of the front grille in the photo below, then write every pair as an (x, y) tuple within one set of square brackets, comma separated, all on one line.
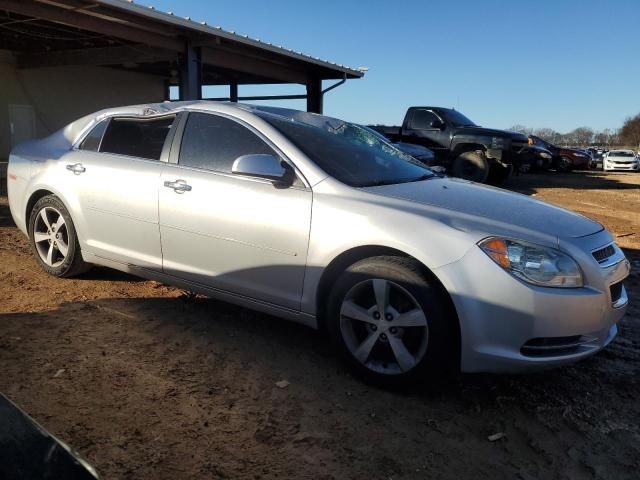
[(616, 291), (603, 254), (557, 346)]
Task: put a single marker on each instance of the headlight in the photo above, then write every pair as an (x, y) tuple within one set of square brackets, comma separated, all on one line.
[(533, 263), (544, 155)]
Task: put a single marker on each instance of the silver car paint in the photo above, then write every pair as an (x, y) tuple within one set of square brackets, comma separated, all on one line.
[(246, 241)]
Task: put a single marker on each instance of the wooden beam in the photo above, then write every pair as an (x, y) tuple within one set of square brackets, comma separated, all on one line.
[(96, 56), (76, 19), (252, 65)]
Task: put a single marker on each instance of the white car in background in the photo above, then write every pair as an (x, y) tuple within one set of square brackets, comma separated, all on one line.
[(621, 160)]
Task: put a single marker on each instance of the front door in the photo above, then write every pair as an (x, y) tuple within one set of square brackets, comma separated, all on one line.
[(237, 234), (423, 133)]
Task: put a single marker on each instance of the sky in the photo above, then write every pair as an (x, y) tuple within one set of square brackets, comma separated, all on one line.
[(560, 64)]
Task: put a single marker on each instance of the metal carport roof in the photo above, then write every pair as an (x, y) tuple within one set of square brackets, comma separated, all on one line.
[(187, 53)]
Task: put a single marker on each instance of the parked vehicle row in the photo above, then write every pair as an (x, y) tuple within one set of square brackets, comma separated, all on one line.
[(563, 159), (320, 221)]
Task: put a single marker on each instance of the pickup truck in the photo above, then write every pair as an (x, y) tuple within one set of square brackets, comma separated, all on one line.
[(467, 150)]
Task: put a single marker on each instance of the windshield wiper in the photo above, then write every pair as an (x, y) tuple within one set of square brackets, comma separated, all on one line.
[(379, 183), (426, 176)]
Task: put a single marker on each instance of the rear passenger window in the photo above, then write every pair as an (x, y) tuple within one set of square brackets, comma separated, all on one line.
[(214, 142), (92, 141), (136, 137)]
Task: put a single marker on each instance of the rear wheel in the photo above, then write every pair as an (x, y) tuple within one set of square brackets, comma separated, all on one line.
[(389, 322), (471, 166), (53, 238)]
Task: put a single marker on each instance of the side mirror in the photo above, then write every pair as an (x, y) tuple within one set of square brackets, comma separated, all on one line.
[(262, 165), (437, 124)]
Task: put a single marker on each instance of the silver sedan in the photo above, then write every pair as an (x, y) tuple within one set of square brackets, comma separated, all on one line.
[(313, 219)]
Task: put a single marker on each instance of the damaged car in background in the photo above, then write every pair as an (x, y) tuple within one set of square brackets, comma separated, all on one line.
[(466, 150), (316, 220)]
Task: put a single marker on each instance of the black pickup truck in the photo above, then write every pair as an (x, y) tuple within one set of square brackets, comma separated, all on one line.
[(467, 150)]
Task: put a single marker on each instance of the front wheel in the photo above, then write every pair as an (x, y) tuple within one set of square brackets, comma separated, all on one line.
[(54, 240), (471, 166), (389, 322), (564, 164)]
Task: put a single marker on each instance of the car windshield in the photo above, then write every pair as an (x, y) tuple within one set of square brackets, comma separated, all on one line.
[(457, 119), (351, 153), (621, 154)]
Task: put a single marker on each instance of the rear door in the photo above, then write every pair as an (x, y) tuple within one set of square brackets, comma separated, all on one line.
[(117, 168), (237, 234)]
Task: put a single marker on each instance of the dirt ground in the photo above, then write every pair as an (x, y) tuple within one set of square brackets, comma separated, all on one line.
[(148, 382)]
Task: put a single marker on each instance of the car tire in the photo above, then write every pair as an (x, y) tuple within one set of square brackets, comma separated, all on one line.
[(411, 340), (471, 166), (526, 167), (564, 164), (498, 174), (54, 240)]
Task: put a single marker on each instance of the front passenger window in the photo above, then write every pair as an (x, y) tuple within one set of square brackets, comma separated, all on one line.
[(213, 142)]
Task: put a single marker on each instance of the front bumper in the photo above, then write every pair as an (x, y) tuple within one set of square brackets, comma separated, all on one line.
[(632, 166), (499, 315)]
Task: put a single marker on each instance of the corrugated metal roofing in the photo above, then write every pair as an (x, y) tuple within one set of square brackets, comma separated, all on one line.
[(185, 22)]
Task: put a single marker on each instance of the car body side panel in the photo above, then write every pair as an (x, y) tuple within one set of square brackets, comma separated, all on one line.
[(236, 234), (343, 220)]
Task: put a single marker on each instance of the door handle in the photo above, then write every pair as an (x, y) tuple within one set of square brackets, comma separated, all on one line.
[(76, 168), (179, 186)]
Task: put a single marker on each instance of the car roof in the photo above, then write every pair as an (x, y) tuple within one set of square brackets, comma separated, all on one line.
[(313, 119)]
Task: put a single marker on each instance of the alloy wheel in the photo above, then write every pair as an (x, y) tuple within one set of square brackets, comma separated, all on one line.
[(384, 326), (51, 236), (565, 163)]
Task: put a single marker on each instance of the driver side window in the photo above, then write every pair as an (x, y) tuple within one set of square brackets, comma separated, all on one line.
[(421, 119)]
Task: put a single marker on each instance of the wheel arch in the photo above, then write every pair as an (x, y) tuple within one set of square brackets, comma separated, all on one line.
[(467, 147), (33, 198), (340, 263)]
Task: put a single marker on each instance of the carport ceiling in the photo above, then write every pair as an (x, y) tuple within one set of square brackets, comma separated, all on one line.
[(124, 35)]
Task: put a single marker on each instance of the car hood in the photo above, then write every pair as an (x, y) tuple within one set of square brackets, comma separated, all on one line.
[(414, 150), (495, 204)]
